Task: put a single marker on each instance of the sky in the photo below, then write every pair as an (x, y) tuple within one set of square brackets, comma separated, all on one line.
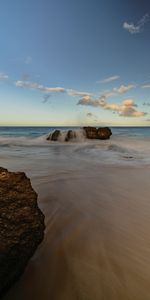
[(75, 62)]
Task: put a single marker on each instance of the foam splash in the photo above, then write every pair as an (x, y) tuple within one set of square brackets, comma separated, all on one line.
[(78, 136), (115, 150), (8, 141)]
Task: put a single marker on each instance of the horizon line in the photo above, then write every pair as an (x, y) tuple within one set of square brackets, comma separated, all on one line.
[(75, 126)]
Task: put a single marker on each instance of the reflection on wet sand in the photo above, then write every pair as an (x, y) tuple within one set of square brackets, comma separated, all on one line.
[(97, 243)]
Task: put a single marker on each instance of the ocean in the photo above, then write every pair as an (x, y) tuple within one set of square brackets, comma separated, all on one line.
[(127, 145), (95, 197)]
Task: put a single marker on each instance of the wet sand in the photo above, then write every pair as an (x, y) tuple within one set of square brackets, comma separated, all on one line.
[(97, 240)]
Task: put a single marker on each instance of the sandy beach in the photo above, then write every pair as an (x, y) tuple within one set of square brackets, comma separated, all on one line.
[(97, 243)]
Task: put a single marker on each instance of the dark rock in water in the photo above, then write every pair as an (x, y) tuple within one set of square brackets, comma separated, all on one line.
[(21, 226), (55, 135), (49, 137), (101, 133), (104, 133), (70, 135), (90, 132)]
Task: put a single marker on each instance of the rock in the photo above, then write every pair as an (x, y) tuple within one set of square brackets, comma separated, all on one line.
[(101, 133), (55, 135), (21, 226), (104, 133), (49, 137), (70, 135), (90, 132)]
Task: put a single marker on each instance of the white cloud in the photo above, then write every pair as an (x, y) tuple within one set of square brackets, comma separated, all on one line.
[(88, 101), (127, 108), (28, 60), (146, 86), (75, 93), (124, 88), (3, 76), (109, 79), (131, 27), (38, 87), (120, 90), (138, 27)]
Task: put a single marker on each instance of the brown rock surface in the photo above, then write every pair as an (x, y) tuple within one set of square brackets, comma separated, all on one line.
[(104, 133), (90, 132), (101, 133), (49, 137), (55, 135), (70, 135), (21, 226)]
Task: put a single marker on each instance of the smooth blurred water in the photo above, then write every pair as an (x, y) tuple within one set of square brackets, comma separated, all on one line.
[(38, 131), (95, 197), (28, 131), (127, 145)]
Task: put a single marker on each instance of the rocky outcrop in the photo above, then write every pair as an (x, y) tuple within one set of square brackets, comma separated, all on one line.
[(90, 132), (21, 226), (54, 136), (70, 135), (49, 137), (102, 133)]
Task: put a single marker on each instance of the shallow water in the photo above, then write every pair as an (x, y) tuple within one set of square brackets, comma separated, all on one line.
[(95, 196)]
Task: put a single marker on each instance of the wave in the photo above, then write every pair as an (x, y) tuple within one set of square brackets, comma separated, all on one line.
[(113, 150), (78, 136), (41, 140), (120, 149), (8, 141)]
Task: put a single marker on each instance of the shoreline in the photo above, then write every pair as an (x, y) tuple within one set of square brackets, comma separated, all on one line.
[(97, 236), (95, 198)]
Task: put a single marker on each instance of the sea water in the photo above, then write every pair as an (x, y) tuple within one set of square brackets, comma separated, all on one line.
[(127, 145), (95, 195)]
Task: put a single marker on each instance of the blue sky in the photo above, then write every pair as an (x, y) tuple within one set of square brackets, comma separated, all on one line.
[(67, 62)]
